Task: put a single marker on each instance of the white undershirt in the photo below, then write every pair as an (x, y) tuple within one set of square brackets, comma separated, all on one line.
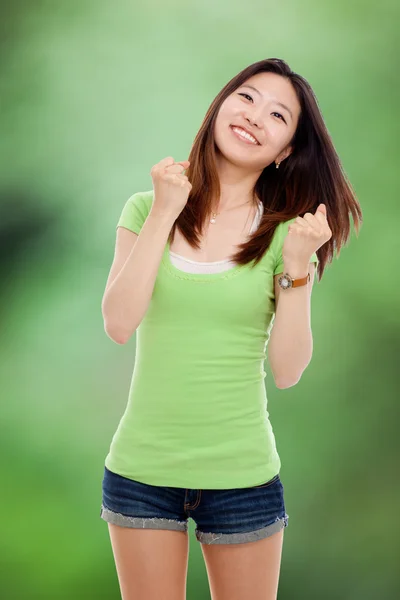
[(193, 266)]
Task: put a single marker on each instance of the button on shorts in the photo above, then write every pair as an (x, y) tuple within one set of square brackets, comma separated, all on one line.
[(226, 516)]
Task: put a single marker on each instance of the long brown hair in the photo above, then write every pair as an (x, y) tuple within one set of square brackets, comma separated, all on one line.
[(310, 175)]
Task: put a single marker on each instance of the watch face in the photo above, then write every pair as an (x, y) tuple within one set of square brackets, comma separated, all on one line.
[(284, 282)]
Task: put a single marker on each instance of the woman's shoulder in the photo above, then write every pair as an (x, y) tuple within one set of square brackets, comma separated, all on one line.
[(136, 210)]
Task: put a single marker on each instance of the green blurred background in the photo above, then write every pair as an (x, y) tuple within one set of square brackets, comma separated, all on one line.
[(92, 95)]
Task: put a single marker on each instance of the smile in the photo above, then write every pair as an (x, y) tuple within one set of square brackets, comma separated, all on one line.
[(244, 136)]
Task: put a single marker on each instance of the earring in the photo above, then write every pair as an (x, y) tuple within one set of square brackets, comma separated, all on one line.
[(277, 165)]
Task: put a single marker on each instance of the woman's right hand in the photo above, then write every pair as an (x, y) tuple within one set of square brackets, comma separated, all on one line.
[(171, 187)]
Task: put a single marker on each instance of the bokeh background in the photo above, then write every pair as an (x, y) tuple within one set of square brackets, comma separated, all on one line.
[(93, 93)]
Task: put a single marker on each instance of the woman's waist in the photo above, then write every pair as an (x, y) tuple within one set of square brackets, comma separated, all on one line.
[(189, 428), (203, 405)]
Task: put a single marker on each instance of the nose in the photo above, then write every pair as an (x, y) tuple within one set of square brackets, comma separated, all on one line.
[(253, 121)]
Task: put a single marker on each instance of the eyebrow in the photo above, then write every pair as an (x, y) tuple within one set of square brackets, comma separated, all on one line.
[(279, 103)]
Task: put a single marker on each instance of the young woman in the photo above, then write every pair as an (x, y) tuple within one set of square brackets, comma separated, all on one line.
[(210, 267)]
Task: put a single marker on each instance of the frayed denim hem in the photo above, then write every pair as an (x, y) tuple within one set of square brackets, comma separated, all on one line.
[(141, 522), (240, 538)]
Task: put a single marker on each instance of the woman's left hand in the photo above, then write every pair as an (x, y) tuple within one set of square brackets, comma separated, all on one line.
[(305, 235)]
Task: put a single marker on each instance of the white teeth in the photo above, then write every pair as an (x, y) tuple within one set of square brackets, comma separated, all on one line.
[(245, 134)]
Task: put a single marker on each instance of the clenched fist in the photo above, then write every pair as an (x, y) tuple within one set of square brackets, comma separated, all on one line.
[(171, 187), (306, 235)]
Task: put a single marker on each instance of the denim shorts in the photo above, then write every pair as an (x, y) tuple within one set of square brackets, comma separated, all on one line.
[(226, 516)]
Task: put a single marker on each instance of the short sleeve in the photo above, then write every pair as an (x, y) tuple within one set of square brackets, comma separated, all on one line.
[(136, 211), (283, 231)]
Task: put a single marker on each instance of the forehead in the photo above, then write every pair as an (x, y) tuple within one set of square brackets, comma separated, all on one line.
[(273, 87)]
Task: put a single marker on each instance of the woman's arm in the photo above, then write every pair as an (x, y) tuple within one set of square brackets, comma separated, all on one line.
[(290, 345), (132, 275)]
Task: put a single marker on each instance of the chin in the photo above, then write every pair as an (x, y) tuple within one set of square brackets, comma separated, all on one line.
[(237, 158)]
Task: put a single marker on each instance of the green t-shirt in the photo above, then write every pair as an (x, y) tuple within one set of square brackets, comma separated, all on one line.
[(196, 415)]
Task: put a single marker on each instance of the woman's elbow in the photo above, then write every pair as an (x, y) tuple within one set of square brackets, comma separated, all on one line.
[(116, 334), (283, 384)]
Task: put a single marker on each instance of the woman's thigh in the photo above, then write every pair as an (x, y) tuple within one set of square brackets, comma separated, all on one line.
[(246, 570), (150, 563), (241, 536), (149, 535)]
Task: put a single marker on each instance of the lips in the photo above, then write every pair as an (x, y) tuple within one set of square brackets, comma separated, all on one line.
[(247, 131)]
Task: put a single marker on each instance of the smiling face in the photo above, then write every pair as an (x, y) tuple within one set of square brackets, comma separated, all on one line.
[(260, 111)]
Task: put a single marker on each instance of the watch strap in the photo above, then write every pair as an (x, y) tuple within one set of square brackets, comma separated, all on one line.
[(301, 281)]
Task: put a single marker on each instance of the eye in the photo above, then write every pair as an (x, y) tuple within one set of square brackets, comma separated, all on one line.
[(276, 113), (246, 95)]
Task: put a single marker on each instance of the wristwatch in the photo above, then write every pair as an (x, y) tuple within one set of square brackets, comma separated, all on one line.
[(286, 282)]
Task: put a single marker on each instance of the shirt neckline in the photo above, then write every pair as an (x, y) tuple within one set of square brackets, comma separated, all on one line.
[(227, 274), (200, 277), (198, 262)]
